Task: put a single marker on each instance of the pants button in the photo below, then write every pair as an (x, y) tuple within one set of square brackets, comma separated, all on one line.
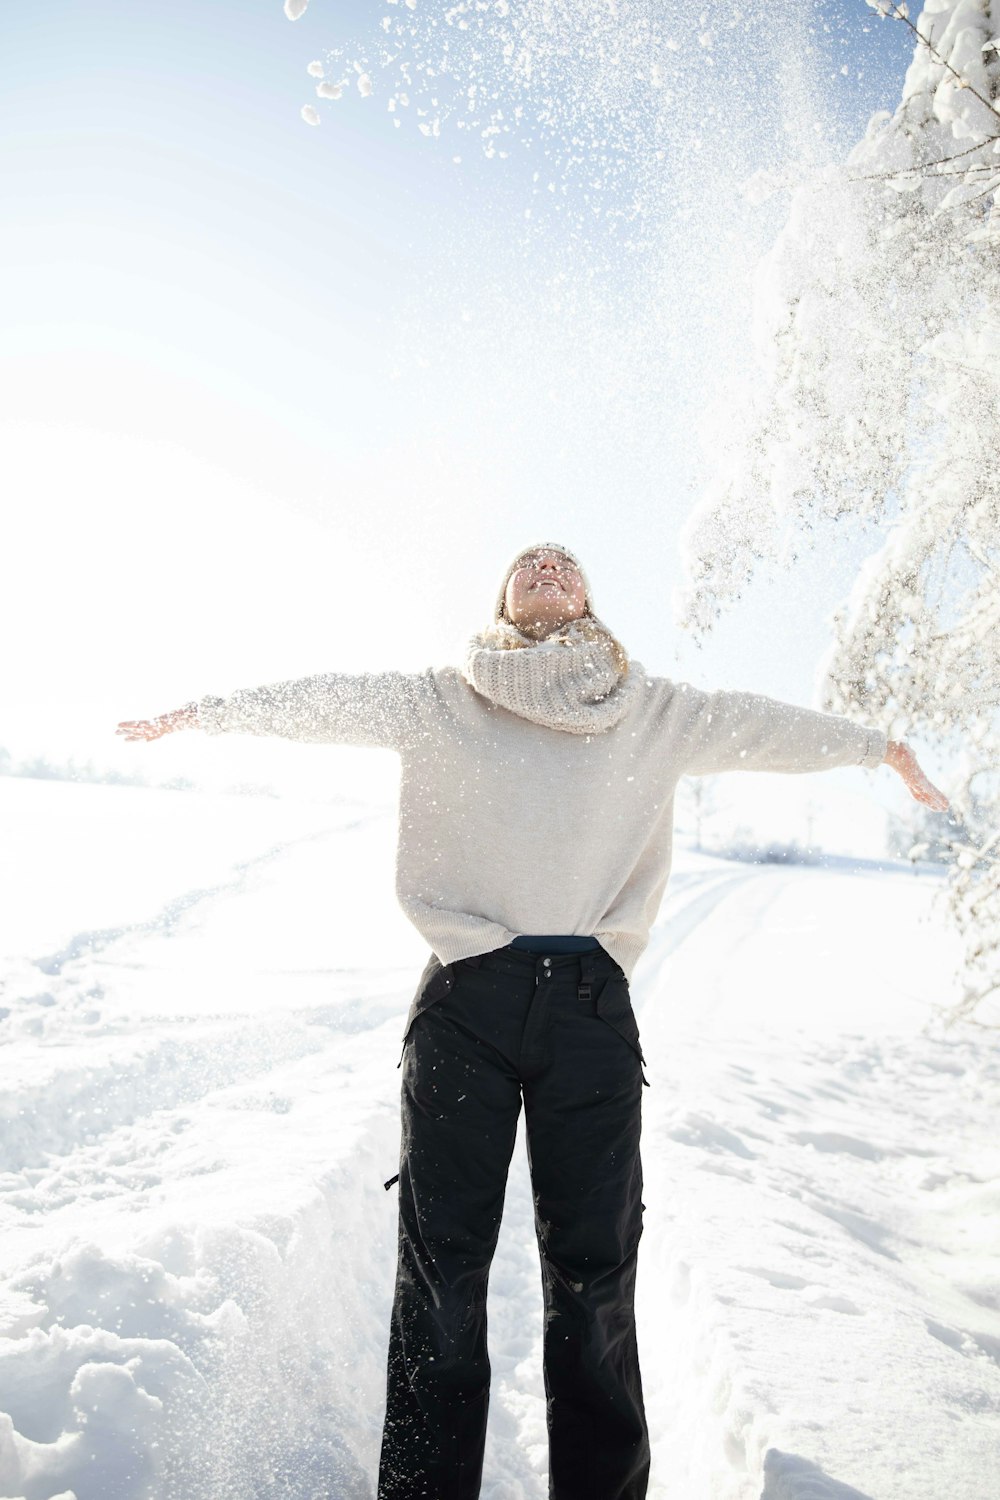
[(547, 962)]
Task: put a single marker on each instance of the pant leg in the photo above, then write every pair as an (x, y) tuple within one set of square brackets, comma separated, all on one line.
[(460, 1104), (582, 1113)]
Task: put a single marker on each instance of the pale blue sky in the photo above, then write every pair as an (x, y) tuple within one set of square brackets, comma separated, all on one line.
[(280, 399)]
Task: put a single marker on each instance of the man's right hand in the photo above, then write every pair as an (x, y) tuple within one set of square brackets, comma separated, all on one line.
[(152, 729)]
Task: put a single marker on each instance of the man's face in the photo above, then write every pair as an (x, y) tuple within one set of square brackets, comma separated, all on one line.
[(544, 591)]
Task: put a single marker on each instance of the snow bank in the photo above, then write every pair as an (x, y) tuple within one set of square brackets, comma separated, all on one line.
[(806, 1171), (199, 1251)]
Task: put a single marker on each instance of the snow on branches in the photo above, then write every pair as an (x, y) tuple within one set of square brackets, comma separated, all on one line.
[(877, 333)]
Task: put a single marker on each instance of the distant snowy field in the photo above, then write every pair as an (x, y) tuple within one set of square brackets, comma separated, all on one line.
[(202, 1001)]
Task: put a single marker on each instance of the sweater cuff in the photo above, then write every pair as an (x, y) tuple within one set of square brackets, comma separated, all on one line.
[(211, 714), (878, 743)]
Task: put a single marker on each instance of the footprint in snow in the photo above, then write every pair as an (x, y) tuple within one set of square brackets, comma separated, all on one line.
[(813, 1296), (833, 1141), (971, 1345), (697, 1130)]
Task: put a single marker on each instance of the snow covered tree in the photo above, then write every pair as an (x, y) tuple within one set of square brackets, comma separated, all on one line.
[(877, 406), (698, 798)]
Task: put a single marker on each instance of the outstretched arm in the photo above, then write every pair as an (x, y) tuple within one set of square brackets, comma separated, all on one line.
[(733, 731), (736, 731), (369, 708)]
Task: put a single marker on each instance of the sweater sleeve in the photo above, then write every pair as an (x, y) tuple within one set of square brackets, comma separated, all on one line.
[(734, 731), (378, 709)]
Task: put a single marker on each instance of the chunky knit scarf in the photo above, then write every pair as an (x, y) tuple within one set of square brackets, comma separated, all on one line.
[(577, 679)]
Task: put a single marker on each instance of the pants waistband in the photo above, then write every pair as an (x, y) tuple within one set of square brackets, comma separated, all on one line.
[(571, 943), (583, 968)]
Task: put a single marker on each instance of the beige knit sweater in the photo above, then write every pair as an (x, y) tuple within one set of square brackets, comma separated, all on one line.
[(507, 826)]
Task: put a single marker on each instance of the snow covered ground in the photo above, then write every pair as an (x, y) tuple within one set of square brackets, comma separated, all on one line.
[(203, 998)]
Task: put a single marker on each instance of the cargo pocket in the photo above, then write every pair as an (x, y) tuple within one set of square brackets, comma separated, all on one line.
[(614, 1006), (435, 982)]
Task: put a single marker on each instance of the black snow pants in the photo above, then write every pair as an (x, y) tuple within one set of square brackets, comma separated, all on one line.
[(481, 1032)]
